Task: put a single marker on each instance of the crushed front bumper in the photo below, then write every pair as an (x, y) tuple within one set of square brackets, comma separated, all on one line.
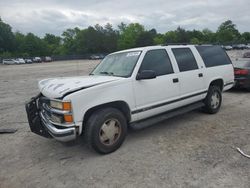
[(40, 125)]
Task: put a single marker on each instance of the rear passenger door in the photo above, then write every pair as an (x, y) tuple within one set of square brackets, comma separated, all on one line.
[(191, 75), (152, 96)]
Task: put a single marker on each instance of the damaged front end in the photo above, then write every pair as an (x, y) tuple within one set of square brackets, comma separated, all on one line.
[(41, 118)]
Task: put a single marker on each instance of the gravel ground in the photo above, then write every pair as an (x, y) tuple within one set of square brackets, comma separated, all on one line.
[(237, 54), (191, 150)]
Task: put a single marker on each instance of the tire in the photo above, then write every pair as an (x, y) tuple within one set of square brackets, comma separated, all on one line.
[(213, 100), (106, 130)]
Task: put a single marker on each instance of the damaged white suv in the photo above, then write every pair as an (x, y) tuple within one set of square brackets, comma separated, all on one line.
[(137, 88)]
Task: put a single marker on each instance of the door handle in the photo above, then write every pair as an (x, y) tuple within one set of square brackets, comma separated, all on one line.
[(200, 75), (175, 80)]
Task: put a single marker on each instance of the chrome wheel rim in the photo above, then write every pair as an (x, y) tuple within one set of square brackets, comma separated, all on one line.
[(110, 132), (215, 100)]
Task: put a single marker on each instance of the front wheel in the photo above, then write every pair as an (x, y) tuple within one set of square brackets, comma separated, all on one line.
[(213, 100), (106, 130)]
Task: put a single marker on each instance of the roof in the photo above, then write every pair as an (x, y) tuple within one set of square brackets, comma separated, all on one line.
[(151, 48)]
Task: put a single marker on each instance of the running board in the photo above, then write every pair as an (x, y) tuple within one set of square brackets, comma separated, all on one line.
[(169, 114)]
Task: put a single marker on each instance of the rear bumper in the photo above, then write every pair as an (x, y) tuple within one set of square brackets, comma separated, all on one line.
[(40, 125), (242, 83)]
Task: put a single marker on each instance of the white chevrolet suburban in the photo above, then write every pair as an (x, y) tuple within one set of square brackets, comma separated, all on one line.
[(136, 87)]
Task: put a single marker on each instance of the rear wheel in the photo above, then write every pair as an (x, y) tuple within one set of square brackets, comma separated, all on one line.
[(106, 130), (213, 100)]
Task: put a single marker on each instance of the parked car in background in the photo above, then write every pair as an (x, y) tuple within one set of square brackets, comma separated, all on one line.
[(47, 59), (20, 61), (246, 55), (239, 46), (97, 56), (94, 57), (234, 46), (242, 74), (37, 60), (9, 61), (28, 61), (248, 46), (102, 56), (228, 47)]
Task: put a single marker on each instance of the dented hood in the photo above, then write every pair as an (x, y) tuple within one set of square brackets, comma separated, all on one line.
[(59, 87)]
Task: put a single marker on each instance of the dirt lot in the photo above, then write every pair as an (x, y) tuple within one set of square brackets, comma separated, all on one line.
[(192, 150)]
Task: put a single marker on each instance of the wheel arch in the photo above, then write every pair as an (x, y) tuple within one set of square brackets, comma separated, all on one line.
[(120, 105), (217, 82)]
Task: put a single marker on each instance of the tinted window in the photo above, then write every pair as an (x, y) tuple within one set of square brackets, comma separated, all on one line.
[(185, 59), (213, 55), (158, 61)]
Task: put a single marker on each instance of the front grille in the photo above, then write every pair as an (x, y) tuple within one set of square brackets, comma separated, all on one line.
[(51, 114), (43, 103), (43, 100)]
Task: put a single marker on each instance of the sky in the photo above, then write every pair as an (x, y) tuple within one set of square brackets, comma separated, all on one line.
[(55, 16)]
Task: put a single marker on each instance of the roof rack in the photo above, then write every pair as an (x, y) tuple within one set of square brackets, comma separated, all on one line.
[(171, 44)]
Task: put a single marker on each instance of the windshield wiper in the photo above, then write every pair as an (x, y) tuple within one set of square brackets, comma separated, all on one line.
[(107, 73)]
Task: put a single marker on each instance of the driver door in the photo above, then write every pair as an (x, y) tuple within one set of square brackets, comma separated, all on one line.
[(157, 95)]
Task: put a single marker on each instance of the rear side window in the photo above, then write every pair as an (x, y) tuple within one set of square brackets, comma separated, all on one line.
[(213, 55), (185, 59), (158, 61)]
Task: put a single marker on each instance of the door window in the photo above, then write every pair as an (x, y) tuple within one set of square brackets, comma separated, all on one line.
[(158, 61), (185, 59)]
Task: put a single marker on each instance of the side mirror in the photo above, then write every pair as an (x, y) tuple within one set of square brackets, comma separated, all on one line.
[(146, 74)]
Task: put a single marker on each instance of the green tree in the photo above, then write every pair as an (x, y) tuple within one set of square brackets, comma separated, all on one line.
[(122, 26), (208, 36), (246, 37), (110, 38), (7, 38), (129, 35), (19, 41), (146, 38), (69, 41), (88, 41), (53, 43), (195, 36), (5, 55), (105, 39), (52, 39), (227, 32), (34, 46), (182, 35), (159, 39), (195, 41), (97, 39), (171, 37)]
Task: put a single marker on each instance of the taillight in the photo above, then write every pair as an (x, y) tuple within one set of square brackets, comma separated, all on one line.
[(241, 72)]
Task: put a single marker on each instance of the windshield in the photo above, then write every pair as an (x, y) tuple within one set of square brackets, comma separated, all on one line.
[(120, 64)]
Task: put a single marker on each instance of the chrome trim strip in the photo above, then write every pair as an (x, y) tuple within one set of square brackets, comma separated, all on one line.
[(63, 135), (167, 103), (229, 83), (55, 123)]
